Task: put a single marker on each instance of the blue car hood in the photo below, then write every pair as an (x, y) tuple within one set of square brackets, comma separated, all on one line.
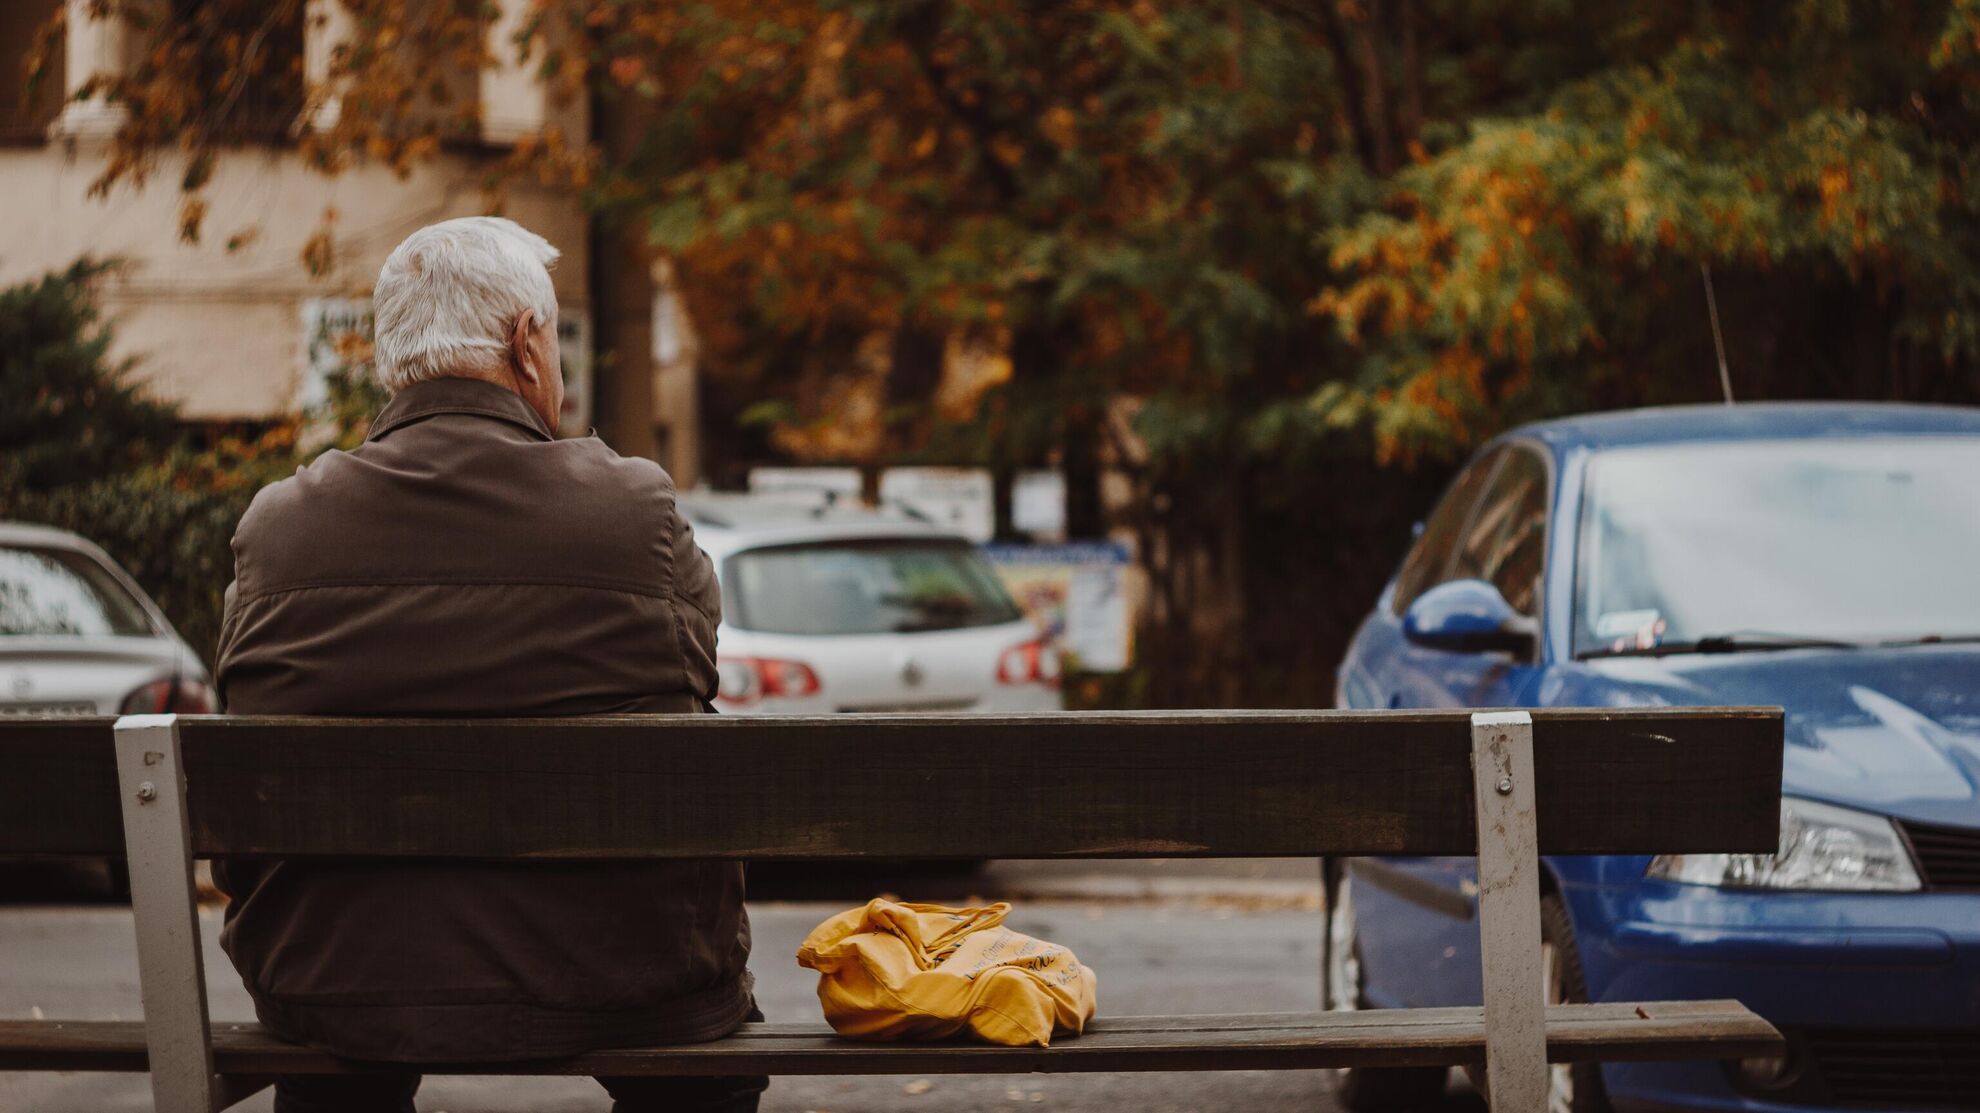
[(1895, 731)]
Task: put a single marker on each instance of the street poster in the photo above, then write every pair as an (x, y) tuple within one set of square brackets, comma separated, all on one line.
[(1077, 594)]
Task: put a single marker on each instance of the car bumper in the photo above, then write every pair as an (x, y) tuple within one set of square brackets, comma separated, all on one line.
[(1878, 993)]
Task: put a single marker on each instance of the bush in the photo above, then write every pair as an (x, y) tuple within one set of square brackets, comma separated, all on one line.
[(82, 449), (66, 414), (173, 541)]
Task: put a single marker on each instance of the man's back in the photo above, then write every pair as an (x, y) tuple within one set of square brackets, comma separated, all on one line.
[(462, 563)]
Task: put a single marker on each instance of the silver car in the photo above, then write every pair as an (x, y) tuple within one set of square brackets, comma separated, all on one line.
[(77, 637)]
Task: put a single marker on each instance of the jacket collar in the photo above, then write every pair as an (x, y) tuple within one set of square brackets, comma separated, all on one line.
[(457, 396)]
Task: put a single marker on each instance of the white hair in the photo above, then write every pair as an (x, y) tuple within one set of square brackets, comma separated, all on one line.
[(448, 298)]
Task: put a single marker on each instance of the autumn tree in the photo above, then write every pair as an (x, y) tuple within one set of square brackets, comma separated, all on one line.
[(1810, 163), (1248, 252)]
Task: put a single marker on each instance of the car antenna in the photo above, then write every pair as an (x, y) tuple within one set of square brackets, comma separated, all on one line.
[(1718, 338)]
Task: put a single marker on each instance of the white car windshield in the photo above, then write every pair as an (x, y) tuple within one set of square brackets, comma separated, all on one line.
[(1776, 543), (64, 593), (864, 587)]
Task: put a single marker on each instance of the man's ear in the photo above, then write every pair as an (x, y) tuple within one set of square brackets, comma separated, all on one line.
[(519, 348)]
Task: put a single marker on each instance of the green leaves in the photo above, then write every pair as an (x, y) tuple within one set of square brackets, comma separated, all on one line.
[(676, 224), (68, 413), (1820, 138)]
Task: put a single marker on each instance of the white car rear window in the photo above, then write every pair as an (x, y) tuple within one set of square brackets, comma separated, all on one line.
[(60, 592), (864, 587)]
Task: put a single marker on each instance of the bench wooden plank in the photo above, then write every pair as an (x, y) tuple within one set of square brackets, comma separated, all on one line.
[(1013, 786), (58, 789), (1053, 785), (1673, 1030)]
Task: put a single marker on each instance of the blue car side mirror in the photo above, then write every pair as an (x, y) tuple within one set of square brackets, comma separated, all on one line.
[(1468, 616)]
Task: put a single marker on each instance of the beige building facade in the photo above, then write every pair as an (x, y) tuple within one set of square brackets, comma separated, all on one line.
[(233, 331)]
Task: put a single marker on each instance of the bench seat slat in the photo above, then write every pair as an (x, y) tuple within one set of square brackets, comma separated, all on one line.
[(1275, 1041)]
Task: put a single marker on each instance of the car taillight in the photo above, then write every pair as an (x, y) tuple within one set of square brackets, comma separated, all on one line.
[(746, 679), (1034, 662), (180, 696)]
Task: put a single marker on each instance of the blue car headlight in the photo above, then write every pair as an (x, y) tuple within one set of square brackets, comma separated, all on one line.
[(1823, 846)]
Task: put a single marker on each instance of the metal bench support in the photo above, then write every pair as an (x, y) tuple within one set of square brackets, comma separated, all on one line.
[(1516, 1073), (158, 840)]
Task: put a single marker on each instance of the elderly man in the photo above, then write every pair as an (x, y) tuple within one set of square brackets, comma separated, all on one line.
[(463, 561)]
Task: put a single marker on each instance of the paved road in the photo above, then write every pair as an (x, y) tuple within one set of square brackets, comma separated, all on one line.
[(1165, 938)]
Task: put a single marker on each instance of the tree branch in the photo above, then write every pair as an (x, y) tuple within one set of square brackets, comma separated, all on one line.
[(1348, 76), (977, 122), (1374, 82), (1412, 64)]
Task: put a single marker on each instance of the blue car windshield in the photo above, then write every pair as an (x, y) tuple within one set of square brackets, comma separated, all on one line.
[(1859, 541)]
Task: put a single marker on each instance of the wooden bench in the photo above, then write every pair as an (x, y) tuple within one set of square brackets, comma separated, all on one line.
[(1238, 784)]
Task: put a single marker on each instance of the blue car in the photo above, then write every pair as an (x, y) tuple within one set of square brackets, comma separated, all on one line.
[(1825, 558)]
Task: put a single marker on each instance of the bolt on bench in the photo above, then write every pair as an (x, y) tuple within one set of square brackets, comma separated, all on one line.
[(1507, 786)]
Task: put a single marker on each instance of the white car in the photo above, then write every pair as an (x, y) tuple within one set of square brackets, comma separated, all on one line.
[(827, 608), (77, 637)]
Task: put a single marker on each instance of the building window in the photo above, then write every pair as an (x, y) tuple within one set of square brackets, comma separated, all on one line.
[(24, 119)]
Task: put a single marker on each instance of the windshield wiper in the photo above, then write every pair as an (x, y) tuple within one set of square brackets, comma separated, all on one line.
[(1930, 639), (1745, 641)]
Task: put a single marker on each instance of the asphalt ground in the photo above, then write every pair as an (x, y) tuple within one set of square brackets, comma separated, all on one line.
[(1165, 937)]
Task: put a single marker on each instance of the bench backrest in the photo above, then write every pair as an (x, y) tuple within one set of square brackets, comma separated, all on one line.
[(1507, 786), (1152, 784)]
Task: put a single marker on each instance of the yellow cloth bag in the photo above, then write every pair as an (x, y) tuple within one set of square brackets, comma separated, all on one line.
[(893, 971)]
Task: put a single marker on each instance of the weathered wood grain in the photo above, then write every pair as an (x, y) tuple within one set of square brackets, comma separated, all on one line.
[(1285, 1041), (1063, 785), (900, 786), (58, 789)]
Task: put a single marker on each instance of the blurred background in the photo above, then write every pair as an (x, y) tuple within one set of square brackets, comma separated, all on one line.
[(1190, 308), (1098, 353)]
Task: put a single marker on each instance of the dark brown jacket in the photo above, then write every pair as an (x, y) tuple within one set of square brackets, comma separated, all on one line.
[(462, 562)]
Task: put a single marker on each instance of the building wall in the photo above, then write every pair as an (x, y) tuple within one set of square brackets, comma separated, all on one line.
[(218, 325), (221, 331)]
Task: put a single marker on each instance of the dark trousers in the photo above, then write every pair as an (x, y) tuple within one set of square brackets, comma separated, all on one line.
[(393, 1093)]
